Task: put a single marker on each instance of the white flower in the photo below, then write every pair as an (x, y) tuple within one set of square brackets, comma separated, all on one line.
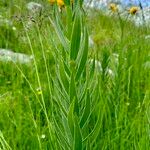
[(14, 28), (147, 37), (43, 136), (109, 72)]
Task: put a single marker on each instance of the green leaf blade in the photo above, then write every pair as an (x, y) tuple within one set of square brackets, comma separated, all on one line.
[(76, 36), (84, 57), (77, 135)]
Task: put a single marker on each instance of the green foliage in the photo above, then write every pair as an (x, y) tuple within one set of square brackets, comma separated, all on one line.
[(76, 36), (7, 35), (74, 97)]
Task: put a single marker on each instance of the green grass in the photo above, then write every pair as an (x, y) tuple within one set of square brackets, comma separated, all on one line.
[(62, 100)]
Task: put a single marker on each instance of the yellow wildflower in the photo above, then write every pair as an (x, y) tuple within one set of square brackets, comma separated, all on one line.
[(39, 91), (113, 7), (60, 3), (133, 10)]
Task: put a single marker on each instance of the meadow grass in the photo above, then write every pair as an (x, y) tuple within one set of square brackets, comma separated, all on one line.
[(74, 96)]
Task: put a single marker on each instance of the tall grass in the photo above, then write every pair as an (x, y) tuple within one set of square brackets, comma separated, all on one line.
[(73, 96)]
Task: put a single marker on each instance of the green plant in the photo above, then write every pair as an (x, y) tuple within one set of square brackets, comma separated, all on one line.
[(68, 98)]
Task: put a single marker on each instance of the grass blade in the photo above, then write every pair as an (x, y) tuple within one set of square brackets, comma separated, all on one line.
[(76, 36), (86, 112), (84, 57), (77, 135)]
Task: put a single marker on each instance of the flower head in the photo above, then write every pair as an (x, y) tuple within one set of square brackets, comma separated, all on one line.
[(133, 10), (113, 7), (60, 3), (39, 91), (43, 136)]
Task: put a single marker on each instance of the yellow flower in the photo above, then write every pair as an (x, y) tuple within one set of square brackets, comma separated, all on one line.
[(60, 3), (39, 92), (113, 7), (133, 10)]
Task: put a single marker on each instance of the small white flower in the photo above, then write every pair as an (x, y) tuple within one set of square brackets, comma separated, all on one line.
[(38, 89), (109, 72), (43, 136), (14, 28), (147, 37)]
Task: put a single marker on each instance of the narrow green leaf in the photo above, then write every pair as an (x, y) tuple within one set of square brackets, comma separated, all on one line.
[(67, 3), (97, 127), (71, 118), (60, 106), (76, 36), (3, 143), (92, 68), (77, 135), (88, 145), (64, 41), (67, 69), (64, 77), (60, 136), (86, 112), (77, 4), (84, 57), (67, 130), (69, 21), (73, 94), (60, 93)]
